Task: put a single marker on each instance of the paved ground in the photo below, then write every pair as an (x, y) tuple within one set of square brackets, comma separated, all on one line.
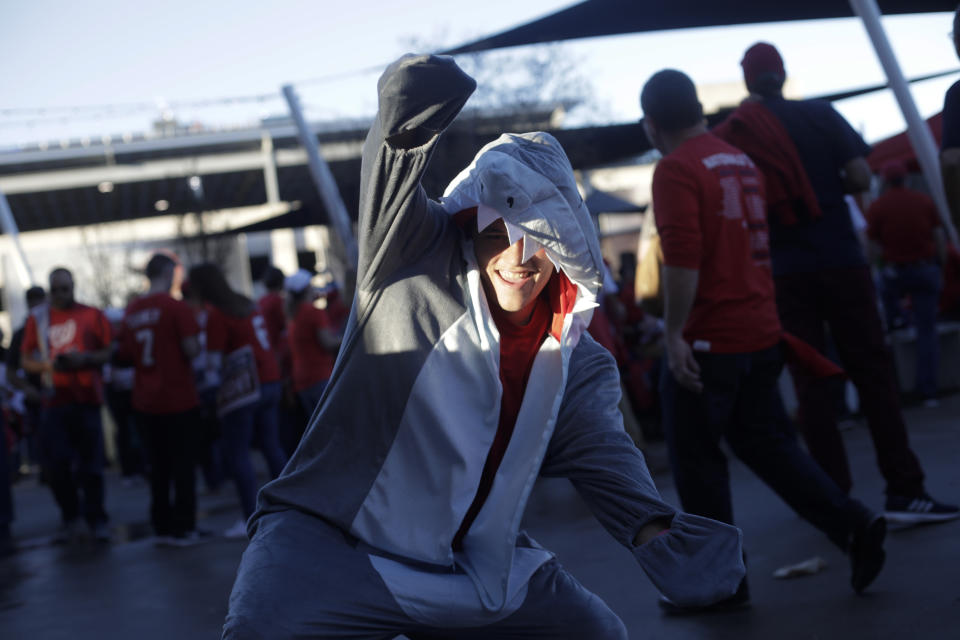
[(131, 589)]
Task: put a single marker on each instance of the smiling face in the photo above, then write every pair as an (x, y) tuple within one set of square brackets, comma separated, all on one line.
[(512, 284)]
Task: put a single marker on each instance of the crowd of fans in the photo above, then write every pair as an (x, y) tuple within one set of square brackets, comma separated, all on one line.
[(191, 382)]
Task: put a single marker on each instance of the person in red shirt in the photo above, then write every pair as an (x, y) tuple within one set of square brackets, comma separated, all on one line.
[(272, 307), (67, 343), (723, 336), (159, 336), (250, 390), (905, 231), (313, 341), (207, 381)]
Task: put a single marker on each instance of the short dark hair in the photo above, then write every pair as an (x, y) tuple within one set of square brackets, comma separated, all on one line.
[(669, 100), (35, 294), (273, 278), (768, 85), (159, 264), (59, 270)]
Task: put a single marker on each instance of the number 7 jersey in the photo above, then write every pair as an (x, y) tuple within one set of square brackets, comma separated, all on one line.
[(154, 327)]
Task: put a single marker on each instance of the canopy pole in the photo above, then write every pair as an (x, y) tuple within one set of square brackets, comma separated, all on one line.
[(9, 226), (323, 178), (917, 130)]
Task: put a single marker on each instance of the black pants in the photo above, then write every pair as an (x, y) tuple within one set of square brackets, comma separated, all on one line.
[(71, 441), (172, 450), (845, 300), (740, 403), (129, 445)]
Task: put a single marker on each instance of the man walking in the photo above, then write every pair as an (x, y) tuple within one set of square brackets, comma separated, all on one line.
[(810, 158), (722, 333)]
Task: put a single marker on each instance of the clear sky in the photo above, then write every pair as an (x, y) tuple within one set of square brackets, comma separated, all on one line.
[(55, 54)]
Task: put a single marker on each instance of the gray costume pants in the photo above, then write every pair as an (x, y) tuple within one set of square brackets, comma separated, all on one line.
[(301, 577)]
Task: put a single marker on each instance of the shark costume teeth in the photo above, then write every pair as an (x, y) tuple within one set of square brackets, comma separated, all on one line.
[(527, 181)]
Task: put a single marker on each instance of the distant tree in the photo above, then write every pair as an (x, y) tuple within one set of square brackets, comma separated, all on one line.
[(109, 273), (544, 75)]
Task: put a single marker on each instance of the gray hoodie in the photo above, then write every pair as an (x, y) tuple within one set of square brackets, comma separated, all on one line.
[(394, 453)]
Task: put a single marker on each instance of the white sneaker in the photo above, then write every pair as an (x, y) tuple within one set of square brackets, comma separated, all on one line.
[(238, 530), (191, 538)]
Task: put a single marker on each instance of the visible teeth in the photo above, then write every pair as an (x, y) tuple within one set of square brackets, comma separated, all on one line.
[(514, 276)]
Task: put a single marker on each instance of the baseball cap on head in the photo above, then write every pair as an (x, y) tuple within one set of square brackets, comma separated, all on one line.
[(299, 281), (759, 60)]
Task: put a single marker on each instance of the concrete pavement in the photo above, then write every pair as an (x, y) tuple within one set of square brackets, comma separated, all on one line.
[(131, 589)]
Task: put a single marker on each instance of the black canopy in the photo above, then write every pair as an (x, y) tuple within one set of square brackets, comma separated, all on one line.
[(612, 17)]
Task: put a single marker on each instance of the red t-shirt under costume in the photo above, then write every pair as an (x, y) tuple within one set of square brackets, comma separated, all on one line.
[(154, 327), (709, 205), (518, 348), (227, 333), (311, 362), (77, 329), (902, 222)]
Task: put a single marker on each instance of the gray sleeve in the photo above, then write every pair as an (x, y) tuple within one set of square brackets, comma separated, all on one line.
[(697, 561), (419, 96), (590, 447)]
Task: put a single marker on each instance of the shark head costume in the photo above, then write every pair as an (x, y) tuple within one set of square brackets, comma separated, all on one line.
[(395, 450)]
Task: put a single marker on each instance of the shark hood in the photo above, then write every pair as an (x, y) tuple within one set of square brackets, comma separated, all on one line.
[(527, 180)]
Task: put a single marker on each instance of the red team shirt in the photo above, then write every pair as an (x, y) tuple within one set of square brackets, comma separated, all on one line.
[(902, 222), (226, 333), (711, 215), (78, 329), (311, 362), (154, 327), (271, 308)]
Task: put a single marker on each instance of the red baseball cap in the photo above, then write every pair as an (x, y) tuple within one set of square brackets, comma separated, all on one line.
[(759, 59)]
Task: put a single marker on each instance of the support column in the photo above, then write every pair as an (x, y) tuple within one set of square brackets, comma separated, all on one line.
[(323, 179), (270, 181), (917, 130), (9, 226)]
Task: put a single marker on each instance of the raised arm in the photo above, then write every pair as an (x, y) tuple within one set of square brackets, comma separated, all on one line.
[(419, 96)]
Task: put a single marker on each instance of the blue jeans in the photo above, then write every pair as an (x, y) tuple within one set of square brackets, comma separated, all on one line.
[(921, 281), (740, 403), (254, 425), (71, 439)]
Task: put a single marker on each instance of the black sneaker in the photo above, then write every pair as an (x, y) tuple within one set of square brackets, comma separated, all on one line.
[(867, 554), (918, 510)]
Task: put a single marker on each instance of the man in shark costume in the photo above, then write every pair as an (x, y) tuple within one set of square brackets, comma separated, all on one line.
[(400, 510)]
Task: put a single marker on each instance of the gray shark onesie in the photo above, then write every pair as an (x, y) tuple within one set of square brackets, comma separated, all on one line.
[(354, 539)]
